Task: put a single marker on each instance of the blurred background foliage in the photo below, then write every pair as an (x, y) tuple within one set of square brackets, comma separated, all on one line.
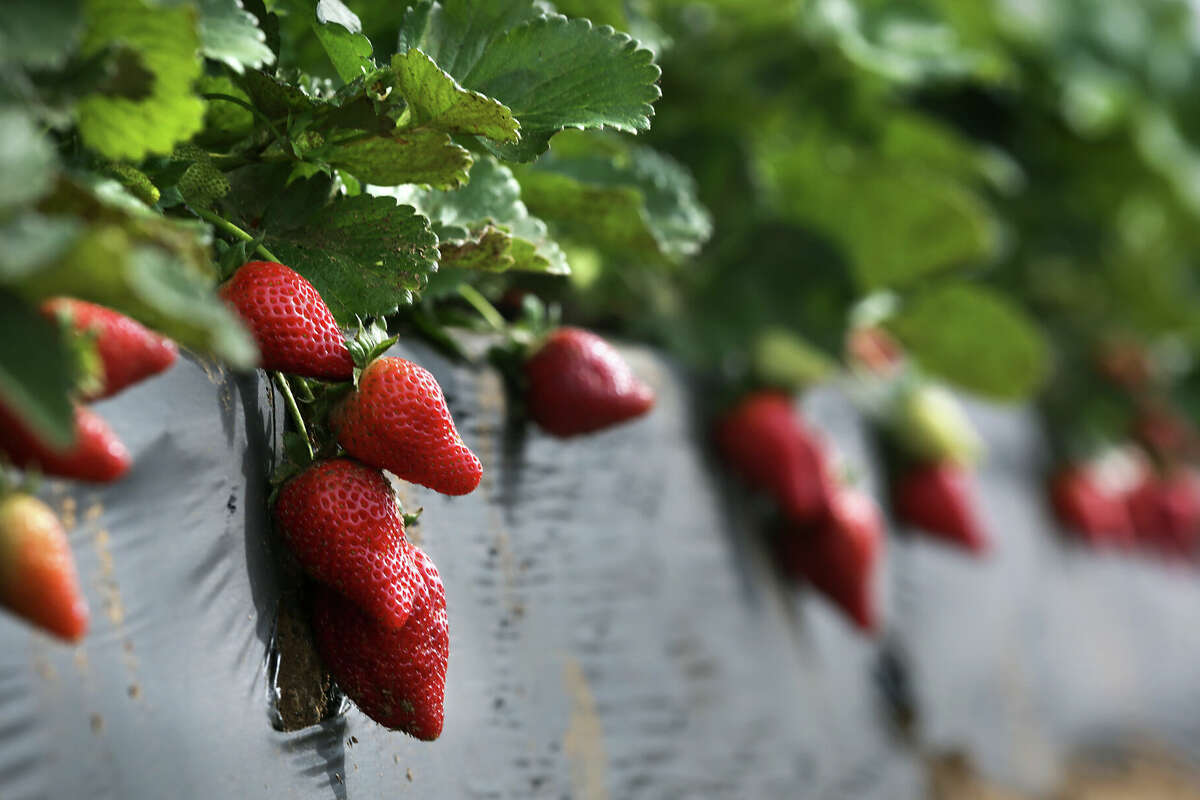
[(1011, 187), (1021, 178)]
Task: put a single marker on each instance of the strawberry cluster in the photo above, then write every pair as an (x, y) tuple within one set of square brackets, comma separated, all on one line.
[(1141, 489), (1121, 500), (38, 579), (830, 533), (378, 606)]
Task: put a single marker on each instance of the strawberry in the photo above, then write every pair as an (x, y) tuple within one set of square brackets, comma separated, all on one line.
[(37, 571), (96, 455), (293, 327), (1084, 504), (129, 352), (768, 444), (341, 521), (839, 555), (578, 383), (873, 349), (397, 420), (938, 498), (1166, 512), (397, 677)]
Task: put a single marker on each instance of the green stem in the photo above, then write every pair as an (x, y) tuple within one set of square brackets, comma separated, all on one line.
[(294, 410), (480, 303), (228, 98), (233, 230)]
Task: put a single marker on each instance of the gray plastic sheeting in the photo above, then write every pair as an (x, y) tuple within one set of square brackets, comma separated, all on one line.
[(616, 628)]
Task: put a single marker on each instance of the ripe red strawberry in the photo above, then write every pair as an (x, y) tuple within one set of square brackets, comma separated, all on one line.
[(129, 352), (341, 521), (97, 455), (578, 383), (838, 556), (397, 677), (1166, 512), (293, 327), (398, 420), (37, 571), (768, 444), (939, 499), (1083, 504)]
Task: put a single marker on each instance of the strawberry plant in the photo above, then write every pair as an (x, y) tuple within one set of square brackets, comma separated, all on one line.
[(253, 180), (900, 197)]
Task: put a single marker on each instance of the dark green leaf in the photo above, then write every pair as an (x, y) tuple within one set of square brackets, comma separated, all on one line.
[(40, 33), (551, 72), (411, 156), (36, 374), (366, 255)]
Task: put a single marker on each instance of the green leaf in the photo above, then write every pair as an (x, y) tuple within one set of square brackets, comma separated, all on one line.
[(36, 374), (129, 258), (274, 98), (109, 266), (898, 221), (230, 34), (485, 226), (366, 255), (30, 240), (436, 99), (340, 33), (409, 156), (976, 338), (550, 71), (638, 202), (224, 121), (40, 33), (167, 40), (27, 160)]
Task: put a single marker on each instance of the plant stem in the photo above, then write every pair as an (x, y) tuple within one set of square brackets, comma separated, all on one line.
[(233, 230), (294, 409), (480, 303), (228, 98)]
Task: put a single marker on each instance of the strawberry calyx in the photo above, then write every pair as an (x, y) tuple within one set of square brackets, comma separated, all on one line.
[(369, 343)]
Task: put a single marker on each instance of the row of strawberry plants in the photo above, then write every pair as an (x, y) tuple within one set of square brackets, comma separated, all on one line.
[(162, 149)]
